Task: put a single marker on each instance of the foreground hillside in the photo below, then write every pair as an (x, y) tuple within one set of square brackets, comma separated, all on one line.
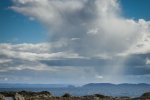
[(44, 95)]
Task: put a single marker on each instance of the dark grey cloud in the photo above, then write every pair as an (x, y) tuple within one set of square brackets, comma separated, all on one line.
[(136, 64), (55, 68), (77, 62)]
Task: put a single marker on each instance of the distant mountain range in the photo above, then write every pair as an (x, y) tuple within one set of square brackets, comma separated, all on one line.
[(116, 85), (24, 85), (125, 89)]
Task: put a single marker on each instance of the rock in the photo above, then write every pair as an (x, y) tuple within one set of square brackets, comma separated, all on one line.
[(123, 98), (2, 97), (18, 97), (8, 93), (43, 94), (66, 95), (99, 95), (145, 96)]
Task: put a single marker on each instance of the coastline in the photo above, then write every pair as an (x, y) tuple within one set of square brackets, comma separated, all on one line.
[(45, 95)]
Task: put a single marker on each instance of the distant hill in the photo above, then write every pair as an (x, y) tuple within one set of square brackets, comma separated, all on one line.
[(116, 85), (125, 89), (98, 85)]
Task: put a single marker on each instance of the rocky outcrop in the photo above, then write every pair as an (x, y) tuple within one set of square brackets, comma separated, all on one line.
[(122, 98), (25, 95), (145, 96), (2, 97), (44, 95), (18, 97), (35, 95), (8, 93), (67, 95)]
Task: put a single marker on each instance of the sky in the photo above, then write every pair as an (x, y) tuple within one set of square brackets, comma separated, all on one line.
[(74, 41)]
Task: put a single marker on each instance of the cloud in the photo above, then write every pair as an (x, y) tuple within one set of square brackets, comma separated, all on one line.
[(87, 38), (33, 52), (98, 24), (40, 56), (22, 63), (99, 77), (64, 66), (5, 61), (147, 61)]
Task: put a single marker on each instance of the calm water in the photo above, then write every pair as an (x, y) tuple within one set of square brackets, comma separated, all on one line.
[(85, 91)]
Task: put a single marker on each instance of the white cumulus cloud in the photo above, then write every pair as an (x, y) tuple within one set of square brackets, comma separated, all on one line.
[(98, 23)]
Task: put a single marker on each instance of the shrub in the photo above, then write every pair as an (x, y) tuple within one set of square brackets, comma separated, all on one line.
[(66, 95)]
